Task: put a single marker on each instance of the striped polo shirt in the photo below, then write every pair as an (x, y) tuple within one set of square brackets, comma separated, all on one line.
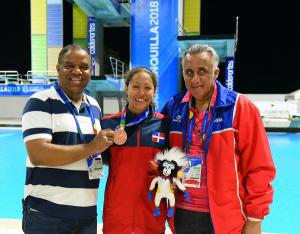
[(62, 191)]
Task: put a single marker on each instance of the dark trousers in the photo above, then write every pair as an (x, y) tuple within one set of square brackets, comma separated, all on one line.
[(191, 222), (35, 222)]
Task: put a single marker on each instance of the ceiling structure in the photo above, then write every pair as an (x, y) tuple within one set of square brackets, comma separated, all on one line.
[(112, 13)]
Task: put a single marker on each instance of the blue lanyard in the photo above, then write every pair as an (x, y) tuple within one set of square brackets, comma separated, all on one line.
[(191, 127), (69, 105)]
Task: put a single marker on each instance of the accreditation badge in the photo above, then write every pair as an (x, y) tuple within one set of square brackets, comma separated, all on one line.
[(95, 167), (191, 175)]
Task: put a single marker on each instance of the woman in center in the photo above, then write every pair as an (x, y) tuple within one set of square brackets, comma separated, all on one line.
[(140, 133)]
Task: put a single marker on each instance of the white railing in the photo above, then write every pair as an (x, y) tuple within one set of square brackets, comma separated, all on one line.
[(7, 77), (118, 67), (41, 77), (35, 77)]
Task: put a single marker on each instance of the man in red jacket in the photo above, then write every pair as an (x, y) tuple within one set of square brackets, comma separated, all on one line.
[(230, 163)]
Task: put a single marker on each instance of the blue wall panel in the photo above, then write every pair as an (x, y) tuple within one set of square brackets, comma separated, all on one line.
[(54, 25)]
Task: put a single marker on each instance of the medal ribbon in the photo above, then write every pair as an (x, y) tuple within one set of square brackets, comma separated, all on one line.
[(136, 120), (68, 103)]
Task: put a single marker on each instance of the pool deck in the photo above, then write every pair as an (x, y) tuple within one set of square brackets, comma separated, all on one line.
[(14, 226), (10, 122)]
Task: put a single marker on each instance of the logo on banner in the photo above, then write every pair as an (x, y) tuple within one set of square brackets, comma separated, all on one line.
[(22, 89), (92, 41), (229, 76), (158, 137)]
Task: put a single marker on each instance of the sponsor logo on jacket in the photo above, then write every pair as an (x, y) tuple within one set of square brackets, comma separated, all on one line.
[(177, 119), (218, 120)]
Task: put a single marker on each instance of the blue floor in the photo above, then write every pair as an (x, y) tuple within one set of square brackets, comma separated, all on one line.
[(12, 175), (284, 216)]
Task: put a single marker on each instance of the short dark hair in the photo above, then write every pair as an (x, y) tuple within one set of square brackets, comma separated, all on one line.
[(67, 49), (132, 72)]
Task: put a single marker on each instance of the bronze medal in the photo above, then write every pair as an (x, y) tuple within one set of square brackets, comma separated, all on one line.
[(120, 136)]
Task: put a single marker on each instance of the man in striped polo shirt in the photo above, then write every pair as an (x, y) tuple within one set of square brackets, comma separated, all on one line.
[(63, 138)]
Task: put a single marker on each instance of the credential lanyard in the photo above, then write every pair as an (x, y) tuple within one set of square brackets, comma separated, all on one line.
[(69, 105), (191, 127)]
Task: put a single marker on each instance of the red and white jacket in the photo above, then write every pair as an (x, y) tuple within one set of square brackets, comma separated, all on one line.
[(127, 209), (239, 161)]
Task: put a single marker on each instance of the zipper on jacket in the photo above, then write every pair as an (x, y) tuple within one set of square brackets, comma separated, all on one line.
[(211, 217), (206, 146), (138, 143), (138, 138)]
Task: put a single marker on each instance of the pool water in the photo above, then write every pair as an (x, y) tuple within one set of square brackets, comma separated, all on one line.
[(284, 216), (12, 175)]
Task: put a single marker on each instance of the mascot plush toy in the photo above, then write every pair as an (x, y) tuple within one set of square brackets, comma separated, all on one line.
[(168, 165)]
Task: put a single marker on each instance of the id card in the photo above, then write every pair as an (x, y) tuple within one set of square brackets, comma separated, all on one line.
[(95, 167), (191, 176)]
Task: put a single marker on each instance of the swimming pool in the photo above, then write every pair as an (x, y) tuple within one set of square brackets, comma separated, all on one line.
[(284, 216), (12, 175)]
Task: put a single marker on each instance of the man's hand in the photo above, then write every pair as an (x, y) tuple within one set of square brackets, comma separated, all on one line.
[(103, 140), (252, 227)]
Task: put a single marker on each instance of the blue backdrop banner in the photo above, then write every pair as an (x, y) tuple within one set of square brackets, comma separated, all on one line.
[(154, 43), (21, 89)]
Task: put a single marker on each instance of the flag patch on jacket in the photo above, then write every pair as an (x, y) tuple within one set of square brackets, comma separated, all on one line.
[(158, 137)]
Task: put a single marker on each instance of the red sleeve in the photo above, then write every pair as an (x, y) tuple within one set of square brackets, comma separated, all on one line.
[(258, 168)]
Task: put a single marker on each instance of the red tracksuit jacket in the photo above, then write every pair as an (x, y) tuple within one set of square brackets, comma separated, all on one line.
[(239, 162), (127, 209)]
